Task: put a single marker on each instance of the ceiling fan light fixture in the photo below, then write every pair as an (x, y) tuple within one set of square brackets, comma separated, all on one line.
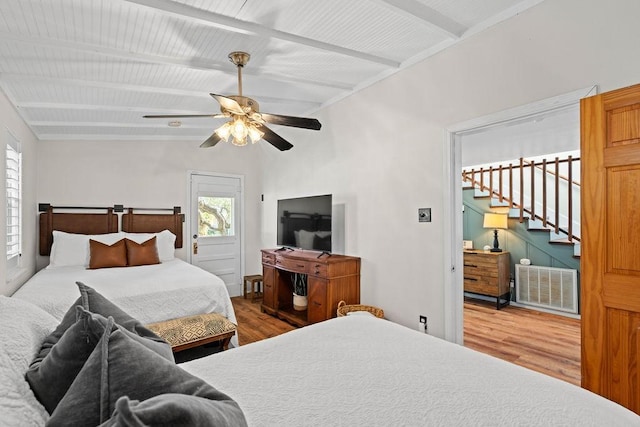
[(224, 131), (239, 142), (239, 131), (255, 134)]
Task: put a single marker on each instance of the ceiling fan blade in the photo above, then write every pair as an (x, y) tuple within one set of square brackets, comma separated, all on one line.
[(177, 116), (229, 104), (298, 122), (274, 139), (211, 141)]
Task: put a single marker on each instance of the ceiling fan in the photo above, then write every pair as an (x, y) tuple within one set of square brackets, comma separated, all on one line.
[(246, 120)]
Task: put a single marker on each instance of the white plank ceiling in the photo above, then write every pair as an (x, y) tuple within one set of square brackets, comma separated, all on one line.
[(90, 69)]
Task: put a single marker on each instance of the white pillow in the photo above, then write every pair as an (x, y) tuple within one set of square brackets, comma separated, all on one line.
[(165, 241), (71, 249)]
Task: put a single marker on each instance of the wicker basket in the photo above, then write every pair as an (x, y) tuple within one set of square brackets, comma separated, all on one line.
[(344, 308)]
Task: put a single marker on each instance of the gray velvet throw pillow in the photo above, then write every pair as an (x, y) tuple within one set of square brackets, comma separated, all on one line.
[(120, 366), (175, 410), (52, 377), (94, 302), (50, 382)]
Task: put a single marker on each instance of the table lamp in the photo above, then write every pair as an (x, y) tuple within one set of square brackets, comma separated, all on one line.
[(495, 221)]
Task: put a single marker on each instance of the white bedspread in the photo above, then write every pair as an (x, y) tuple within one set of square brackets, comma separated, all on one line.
[(364, 371), (149, 293)]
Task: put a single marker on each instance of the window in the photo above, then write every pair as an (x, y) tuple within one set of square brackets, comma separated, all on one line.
[(14, 201), (215, 216)]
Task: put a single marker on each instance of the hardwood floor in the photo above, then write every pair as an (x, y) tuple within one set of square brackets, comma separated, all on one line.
[(254, 325), (542, 342)]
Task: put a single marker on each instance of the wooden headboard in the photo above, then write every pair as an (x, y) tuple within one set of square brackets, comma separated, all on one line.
[(80, 223), (106, 222), (154, 223)]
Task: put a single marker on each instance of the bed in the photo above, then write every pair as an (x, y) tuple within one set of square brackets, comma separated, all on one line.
[(347, 371), (152, 293), (365, 371)]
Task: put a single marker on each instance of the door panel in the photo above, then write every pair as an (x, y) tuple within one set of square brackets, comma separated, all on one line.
[(216, 210), (610, 260)]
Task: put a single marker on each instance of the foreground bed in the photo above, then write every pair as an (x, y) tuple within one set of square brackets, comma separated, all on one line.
[(349, 371), (364, 371)]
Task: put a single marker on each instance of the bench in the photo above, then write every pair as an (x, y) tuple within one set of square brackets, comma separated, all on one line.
[(193, 331)]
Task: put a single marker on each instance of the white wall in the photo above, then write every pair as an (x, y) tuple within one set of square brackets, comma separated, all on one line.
[(152, 174), (10, 121), (381, 151)]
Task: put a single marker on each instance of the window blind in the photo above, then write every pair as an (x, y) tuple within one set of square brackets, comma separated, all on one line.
[(14, 200)]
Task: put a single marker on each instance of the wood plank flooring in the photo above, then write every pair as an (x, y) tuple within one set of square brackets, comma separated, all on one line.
[(542, 342), (254, 325)]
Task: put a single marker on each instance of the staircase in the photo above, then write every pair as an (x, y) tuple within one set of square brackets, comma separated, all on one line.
[(542, 194), (542, 200)]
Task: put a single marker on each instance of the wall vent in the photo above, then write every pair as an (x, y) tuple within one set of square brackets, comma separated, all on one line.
[(547, 287)]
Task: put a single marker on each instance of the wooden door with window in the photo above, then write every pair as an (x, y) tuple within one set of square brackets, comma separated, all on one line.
[(216, 234), (610, 259)]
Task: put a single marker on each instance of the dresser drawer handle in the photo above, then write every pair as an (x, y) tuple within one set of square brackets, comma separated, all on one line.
[(471, 278), (470, 265)]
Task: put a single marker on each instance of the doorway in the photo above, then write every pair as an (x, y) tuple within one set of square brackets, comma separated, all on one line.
[(216, 229), (453, 312)]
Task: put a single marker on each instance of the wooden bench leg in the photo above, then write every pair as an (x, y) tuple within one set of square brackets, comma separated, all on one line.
[(225, 343)]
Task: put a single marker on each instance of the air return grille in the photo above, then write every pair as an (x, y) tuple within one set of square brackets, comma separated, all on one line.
[(547, 287)]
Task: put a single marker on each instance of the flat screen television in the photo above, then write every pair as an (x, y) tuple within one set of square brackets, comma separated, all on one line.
[(305, 223)]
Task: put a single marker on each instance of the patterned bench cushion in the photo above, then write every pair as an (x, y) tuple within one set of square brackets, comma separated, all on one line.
[(191, 331)]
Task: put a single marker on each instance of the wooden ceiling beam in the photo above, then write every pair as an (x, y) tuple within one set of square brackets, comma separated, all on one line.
[(245, 27), (432, 17)]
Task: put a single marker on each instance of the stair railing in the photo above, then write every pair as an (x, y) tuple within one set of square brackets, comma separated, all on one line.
[(476, 177)]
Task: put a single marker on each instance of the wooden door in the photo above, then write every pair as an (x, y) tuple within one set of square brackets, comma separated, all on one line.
[(216, 238), (610, 260)]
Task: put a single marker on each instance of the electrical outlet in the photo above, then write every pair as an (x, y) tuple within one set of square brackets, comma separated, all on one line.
[(422, 326)]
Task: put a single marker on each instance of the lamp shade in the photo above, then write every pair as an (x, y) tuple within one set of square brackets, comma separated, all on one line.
[(495, 221)]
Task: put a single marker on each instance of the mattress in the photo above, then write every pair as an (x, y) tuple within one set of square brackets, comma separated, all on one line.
[(358, 370), (149, 293)]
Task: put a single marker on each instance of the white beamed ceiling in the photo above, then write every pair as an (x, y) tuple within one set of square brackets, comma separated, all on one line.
[(90, 69)]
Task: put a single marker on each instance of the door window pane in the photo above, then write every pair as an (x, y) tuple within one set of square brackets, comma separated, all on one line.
[(215, 216)]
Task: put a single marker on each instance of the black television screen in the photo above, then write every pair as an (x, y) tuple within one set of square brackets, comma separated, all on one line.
[(305, 223)]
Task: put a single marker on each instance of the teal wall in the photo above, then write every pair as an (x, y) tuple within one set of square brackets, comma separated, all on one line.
[(517, 240)]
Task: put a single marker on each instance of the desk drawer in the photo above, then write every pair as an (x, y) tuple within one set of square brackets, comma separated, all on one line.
[(268, 259), (293, 265), (318, 269)]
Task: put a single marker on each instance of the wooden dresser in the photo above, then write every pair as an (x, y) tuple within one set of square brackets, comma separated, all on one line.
[(487, 273), (331, 278)]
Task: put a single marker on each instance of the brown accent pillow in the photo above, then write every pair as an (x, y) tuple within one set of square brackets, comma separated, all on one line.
[(145, 253), (103, 256)]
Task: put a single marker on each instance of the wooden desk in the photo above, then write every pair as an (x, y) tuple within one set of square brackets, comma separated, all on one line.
[(331, 278)]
